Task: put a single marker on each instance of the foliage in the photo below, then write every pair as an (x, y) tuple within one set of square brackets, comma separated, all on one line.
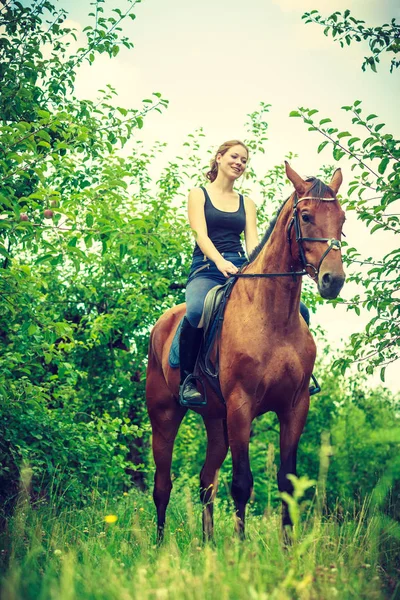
[(346, 29), (374, 156), (72, 236)]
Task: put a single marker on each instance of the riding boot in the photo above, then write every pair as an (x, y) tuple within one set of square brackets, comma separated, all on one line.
[(189, 345)]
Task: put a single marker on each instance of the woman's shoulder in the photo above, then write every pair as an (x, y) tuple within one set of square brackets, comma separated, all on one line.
[(249, 203), (197, 194)]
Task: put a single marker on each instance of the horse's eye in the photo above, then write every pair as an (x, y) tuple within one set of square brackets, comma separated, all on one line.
[(305, 217)]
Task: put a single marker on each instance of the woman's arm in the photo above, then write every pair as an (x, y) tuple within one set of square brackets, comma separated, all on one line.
[(250, 231), (198, 223)]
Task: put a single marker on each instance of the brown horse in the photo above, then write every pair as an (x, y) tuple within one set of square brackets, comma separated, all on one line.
[(266, 351)]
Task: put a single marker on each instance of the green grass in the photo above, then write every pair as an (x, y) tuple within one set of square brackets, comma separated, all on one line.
[(57, 553)]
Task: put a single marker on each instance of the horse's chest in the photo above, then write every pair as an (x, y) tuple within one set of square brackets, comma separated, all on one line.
[(270, 378)]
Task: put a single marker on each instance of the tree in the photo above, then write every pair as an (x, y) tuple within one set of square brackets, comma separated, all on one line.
[(374, 155), (68, 224), (346, 29)]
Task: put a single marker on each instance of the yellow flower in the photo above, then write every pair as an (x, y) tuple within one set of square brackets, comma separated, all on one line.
[(141, 508), (110, 518)]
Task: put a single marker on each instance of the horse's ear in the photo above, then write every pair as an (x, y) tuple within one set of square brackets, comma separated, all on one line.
[(336, 180), (298, 182)]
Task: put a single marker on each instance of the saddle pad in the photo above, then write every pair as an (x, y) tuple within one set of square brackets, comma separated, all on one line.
[(173, 358), (211, 303)]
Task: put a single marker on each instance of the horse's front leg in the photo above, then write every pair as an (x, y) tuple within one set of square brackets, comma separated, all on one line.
[(239, 425), (217, 449), (291, 427)]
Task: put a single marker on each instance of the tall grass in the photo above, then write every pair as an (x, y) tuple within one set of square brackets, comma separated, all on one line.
[(50, 552)]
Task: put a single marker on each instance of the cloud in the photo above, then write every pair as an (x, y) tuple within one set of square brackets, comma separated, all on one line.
[(125, 77), (326, 7)]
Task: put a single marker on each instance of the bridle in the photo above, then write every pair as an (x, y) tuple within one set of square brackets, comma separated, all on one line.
[(333, 244)]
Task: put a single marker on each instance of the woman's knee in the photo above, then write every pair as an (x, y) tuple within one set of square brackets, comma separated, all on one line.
[(193, 314)]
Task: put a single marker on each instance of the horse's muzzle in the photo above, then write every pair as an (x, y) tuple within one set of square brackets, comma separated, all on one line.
[(329, 285)]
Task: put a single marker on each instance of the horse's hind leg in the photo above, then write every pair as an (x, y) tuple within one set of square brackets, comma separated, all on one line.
[(165, 424), (165, 417), (217, 448)]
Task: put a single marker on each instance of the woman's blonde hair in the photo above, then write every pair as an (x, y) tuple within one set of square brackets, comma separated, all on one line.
[(213, 172)]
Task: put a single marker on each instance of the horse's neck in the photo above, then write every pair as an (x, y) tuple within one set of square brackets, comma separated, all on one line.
[(280, 294)]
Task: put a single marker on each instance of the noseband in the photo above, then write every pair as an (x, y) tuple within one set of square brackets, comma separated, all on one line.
[(333, 244)]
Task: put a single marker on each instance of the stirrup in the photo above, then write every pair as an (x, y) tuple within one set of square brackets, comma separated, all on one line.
[(316, 388), (189, 403)]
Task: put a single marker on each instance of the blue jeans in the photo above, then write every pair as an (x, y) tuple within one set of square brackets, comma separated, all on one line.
[(203, 276)]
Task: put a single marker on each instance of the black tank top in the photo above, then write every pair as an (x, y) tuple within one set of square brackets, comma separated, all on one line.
[(223, 228)]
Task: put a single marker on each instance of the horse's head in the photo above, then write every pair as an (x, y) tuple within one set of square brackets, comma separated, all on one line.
[(316, 227)]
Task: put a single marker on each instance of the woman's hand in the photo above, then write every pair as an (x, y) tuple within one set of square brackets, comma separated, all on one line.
[(226, 267)]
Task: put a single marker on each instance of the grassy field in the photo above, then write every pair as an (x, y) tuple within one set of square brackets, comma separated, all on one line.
[(49, 552)]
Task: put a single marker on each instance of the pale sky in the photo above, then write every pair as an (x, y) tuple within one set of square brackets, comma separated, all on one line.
[(216, 60)]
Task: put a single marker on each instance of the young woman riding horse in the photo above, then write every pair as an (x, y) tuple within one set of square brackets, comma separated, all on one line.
[(266, 351), (218, 216)]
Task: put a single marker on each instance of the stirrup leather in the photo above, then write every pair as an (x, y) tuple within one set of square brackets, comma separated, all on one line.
[(316, 388)]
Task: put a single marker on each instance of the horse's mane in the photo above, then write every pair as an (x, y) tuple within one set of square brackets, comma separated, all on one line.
[(317, 190)]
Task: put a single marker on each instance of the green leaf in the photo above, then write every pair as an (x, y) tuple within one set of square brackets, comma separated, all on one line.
[(322, 146), (382, 165), (4, 252), (343, 134), (43, 113), (32, 329), (43, 258), (326, 120), (89, 220), (294, 113), (338, 153), (43, 135)]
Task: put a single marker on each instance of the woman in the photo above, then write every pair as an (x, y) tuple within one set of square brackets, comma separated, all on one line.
[(218, 215)]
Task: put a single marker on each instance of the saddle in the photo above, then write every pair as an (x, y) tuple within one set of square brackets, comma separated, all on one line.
[(212, 317)]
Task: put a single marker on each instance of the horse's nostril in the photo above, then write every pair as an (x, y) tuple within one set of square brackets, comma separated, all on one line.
[(326, 279)]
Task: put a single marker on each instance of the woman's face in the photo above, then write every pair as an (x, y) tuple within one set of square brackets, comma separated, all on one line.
[(233, 162)]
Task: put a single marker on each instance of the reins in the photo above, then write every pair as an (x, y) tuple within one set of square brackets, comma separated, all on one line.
[(333, 244)]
